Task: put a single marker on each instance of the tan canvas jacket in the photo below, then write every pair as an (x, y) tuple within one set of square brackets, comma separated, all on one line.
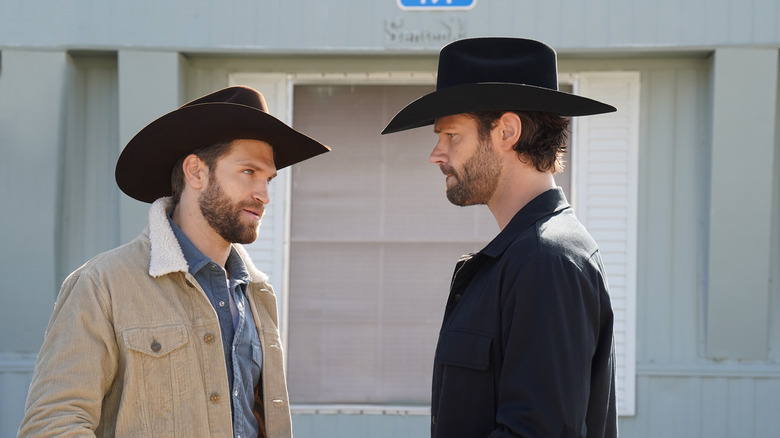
[(133, 349)]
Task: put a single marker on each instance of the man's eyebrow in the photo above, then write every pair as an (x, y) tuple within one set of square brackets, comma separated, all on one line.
[(254, 166), (249, 164)]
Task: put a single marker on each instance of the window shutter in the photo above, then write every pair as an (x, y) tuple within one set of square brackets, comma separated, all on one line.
[(605, 156)]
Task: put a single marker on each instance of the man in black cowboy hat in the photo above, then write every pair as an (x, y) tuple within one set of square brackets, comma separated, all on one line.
[(526, 345), (175, 333)]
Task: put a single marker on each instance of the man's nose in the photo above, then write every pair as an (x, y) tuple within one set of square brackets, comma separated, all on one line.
[(261, 193), (438, 156)]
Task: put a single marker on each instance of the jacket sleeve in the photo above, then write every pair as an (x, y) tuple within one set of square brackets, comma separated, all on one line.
[(549, 331), (76, 364)]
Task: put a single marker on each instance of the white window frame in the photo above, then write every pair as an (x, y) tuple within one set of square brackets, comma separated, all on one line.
[(277, 91), (278, 88)]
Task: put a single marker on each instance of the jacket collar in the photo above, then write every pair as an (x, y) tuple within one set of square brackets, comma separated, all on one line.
[(546, 204), (166, 254)]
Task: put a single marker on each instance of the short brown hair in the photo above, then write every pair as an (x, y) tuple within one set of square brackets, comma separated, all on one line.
[(542, 138), (207, 154)]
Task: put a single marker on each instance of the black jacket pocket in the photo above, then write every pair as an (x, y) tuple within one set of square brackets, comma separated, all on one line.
[(464, 349)]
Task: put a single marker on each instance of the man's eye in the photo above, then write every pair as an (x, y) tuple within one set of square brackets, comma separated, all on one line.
[(249, 171)]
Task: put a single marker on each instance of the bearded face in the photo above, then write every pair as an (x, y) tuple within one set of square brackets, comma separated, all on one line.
[(227, 218), (475, 181)]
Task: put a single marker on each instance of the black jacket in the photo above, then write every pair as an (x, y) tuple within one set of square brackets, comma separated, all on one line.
[(526, 346)]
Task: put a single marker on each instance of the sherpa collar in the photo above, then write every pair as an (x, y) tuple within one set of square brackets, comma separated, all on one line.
[(166, 254)]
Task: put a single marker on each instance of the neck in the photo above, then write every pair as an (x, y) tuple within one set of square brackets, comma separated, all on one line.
[(188, 218), (517, 187)]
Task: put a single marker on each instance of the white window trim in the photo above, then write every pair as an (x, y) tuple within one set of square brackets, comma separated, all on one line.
[(277, 88), (277, 91), (371, 78), (283, 85)]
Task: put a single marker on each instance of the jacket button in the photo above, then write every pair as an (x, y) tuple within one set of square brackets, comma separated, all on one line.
[(214, 397), (458, 297), (433, 419), (156, 346), (208, 338)]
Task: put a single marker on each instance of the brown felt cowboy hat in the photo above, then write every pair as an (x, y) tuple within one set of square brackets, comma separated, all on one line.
[(507, 74), (143, 170)]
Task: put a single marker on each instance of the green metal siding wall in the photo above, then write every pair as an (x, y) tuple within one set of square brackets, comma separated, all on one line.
[(303, 26), (680, 392)]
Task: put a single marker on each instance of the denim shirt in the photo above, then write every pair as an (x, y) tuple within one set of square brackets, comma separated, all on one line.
[(240, 340)]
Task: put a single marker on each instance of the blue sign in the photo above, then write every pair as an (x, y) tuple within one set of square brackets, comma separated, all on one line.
[(435, 5)]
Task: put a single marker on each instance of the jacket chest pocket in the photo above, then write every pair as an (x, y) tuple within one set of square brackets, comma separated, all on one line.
[(464, 349), (464, 381), (160, 361)]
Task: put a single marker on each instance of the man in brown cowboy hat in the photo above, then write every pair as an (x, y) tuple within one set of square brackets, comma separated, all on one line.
[(175, 333), (526, 345)]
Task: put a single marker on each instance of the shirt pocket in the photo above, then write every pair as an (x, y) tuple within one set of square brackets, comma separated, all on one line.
[(464, 349), (160, 360)]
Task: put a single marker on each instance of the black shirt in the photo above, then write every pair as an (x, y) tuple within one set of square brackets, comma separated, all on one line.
[(526, 345)]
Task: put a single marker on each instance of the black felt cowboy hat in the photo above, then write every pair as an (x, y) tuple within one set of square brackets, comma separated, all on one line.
[(143, 170), (508, 74)]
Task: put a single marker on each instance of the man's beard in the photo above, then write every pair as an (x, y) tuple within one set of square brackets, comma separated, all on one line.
[(225, 217), (478, 177)]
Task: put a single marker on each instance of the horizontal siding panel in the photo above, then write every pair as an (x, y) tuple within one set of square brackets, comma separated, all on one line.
[(360, 425), (704, 407), (299, 26), (15, 376)]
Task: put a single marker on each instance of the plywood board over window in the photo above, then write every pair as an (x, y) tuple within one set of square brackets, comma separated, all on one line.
[(373, 243)]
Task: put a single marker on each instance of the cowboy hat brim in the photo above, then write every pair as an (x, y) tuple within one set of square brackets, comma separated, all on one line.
[(143, 170), (488, 96)]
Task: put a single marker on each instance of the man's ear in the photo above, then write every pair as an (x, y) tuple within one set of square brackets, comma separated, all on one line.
[(195, 171), (508, 128)]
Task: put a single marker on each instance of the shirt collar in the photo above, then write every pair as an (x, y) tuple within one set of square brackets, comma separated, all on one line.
[(197, 260), (546, 204), (235, 265)]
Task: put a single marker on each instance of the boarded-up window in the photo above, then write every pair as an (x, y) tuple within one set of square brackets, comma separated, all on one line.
[(374, 240), (373, 244)]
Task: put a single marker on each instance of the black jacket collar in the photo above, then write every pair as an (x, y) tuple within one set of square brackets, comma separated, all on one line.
[(546, 204)]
